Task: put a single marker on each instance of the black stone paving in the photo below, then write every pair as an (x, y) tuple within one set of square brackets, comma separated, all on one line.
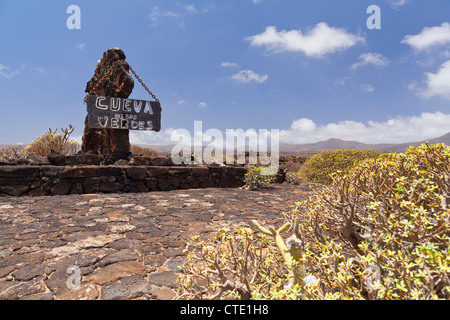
[(125, 246)]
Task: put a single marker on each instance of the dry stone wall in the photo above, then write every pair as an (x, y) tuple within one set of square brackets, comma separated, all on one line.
[(71, 175)]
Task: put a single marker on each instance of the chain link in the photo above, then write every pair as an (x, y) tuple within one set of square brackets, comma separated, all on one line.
[(143, 84), (109, 71)]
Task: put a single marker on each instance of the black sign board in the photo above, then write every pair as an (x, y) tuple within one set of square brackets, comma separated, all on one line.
[(123, 114)]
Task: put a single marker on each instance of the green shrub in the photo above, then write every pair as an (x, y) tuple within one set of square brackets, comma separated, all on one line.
[(293, 178), (259, 177), (229, 266), (50, 141), (379, 232), (319, 168)]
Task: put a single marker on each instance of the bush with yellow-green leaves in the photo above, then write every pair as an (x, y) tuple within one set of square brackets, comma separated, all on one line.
[(260, 177), (382, 230), (51, 141), (379, 232), (319, 168)]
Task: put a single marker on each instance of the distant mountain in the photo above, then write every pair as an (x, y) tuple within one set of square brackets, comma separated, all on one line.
[(335, 144), (444, 139), (332, 144)]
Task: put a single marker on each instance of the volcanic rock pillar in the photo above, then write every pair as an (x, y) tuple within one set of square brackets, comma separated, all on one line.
[(118, 84)]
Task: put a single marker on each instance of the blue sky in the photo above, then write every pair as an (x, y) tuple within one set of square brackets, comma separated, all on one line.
[(310, 68)]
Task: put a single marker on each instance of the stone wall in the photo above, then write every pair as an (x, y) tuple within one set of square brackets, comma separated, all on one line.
[(43, 180)]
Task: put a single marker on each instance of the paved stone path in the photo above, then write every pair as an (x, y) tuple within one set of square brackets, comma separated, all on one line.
[(124, 246)]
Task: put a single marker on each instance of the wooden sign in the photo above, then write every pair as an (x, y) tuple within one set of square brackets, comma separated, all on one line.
[(123, 114)]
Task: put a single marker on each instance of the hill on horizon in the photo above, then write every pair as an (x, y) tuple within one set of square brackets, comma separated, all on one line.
[(334, 144), (327, 145)]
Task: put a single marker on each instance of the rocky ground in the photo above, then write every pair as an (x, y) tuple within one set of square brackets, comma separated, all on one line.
[(124, 246)]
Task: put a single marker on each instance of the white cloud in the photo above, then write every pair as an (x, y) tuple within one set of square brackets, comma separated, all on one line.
[(437, 84), (367, 87), (170, 136), (211, 136), (429, 37), (246, 76), (397, 4), (317, 42), (201, 104), (376, 59), (257, 1), (6, 73), (158, 15), (152, 138), (398, 130), (81, 46), (190, 8), (229, 65), (341, 81), (42, 70)]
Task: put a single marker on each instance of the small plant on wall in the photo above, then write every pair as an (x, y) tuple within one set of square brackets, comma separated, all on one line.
[(260, 177)]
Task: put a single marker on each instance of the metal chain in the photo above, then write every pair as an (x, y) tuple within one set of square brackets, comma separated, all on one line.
[(108, 72), (143, 84)]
